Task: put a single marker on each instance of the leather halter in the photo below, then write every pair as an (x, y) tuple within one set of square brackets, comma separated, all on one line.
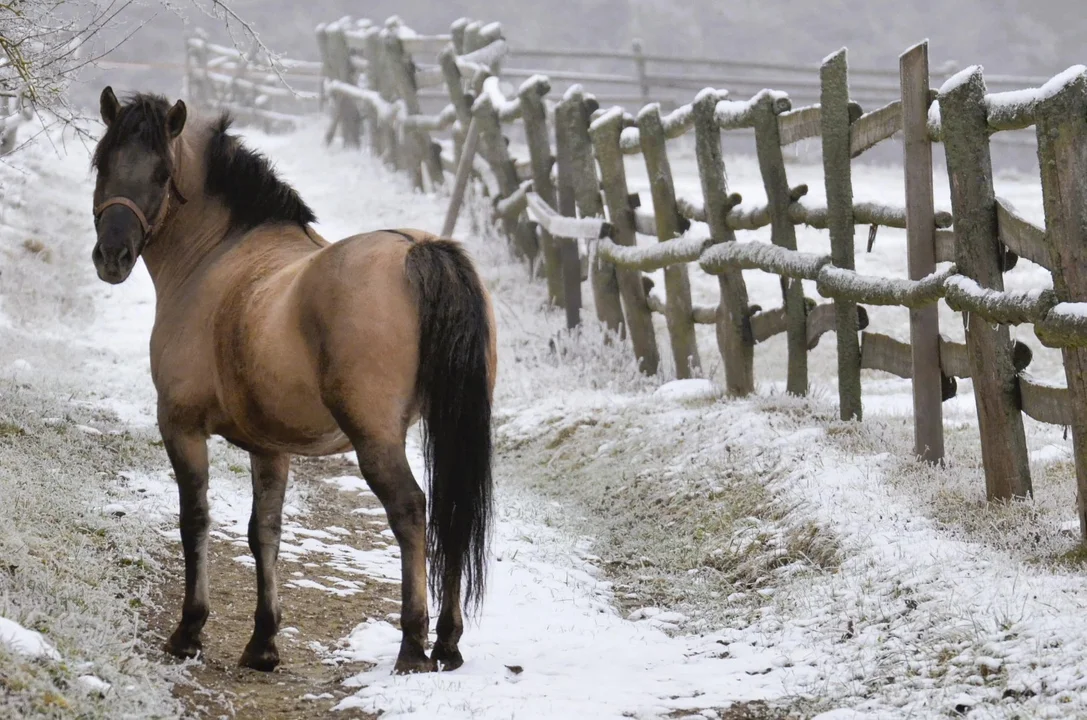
[(147, 227)]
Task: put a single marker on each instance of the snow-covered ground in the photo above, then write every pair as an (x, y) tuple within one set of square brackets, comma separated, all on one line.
[(918, 612)]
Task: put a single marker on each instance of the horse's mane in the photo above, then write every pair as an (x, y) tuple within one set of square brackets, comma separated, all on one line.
[(247, 183)]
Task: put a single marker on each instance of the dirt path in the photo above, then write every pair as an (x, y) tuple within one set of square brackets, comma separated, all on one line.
[(308, 682)]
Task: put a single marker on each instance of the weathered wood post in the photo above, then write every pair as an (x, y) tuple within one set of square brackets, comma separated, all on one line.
[(494, 150), (640, 70), (456, 96), (605, 284), (605, 132), (1062, 153), (928, 411), (979, 256), (534, 116), (350, 120), (377, 79), (402, 69), (460, 183), (565, 117), (198, 87), (472, 40), (456, 34), (838, 179), (782, 232), (734, 339), (326, 67), (678, 310)]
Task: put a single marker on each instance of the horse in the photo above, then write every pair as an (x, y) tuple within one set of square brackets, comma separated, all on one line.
[(283, 343)]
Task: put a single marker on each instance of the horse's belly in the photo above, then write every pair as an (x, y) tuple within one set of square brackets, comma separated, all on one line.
[(284, 415)]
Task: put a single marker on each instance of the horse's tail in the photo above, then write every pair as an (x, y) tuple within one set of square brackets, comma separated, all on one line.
[(454, 387)]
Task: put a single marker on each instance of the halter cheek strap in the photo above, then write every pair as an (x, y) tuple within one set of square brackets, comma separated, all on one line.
[(148, 228)]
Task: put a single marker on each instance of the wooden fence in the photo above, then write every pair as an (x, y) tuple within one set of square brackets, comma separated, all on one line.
[(14, 111), (639, 78), (573, 189), (256, 92)]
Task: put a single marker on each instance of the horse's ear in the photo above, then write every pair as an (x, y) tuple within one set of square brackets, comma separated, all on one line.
[(109, 105), (175, 119)]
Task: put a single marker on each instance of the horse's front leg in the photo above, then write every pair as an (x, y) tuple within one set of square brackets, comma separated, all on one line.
[(269, 486), (189, 456)]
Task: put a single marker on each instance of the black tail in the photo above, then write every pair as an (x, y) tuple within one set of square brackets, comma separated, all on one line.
[(454, 387)]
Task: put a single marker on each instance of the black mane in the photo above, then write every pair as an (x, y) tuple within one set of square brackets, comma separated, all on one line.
[(141, 118), (247, 183)]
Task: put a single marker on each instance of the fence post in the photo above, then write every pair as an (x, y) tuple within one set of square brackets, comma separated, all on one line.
[(471, 36), (417, 141), (377, 80), (605, 132), (198, 88), (609, 308), (734, 339), (494, 151), (326, 68), (678, 309), (565, 117), (460, 183), (639, 68), (782, 233), (456, 33), (349, 118), (534, 116), (979, 256), (928, 411), (234, 93), (454, 85), (838, 179), (1062, 136)]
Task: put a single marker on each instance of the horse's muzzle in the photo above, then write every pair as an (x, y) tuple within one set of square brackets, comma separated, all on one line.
[(119, 237), (113, 267)]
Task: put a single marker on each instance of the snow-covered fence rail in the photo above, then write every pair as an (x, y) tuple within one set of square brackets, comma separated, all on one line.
[(572, 192), (255, 92)]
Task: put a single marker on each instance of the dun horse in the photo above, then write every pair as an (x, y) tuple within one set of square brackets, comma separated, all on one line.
[(283, 343)]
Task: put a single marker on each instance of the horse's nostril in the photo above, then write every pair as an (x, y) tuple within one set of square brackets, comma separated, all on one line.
[(97, 256), (123, 256)]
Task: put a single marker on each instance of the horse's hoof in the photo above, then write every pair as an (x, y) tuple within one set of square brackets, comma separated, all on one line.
[(182, 645), (264, 659), (445, 657), (409, 665)]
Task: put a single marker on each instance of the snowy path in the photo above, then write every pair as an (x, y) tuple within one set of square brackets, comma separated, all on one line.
[(546, 613)]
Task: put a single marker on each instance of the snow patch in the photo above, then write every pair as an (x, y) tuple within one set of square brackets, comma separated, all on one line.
[(28, 643), (690, 390)]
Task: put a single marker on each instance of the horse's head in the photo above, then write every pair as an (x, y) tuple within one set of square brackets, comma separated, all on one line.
[(136, 160)]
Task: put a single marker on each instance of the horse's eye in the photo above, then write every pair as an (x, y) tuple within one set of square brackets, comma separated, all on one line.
[(161, 175)]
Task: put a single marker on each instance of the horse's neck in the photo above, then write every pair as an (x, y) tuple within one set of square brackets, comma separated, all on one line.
[(192, 229), (186, 240)]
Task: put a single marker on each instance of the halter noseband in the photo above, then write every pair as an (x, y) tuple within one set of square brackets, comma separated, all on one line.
[(160, 216)]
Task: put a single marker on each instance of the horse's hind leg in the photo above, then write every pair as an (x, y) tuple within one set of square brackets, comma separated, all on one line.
[(385, 467), (450, 628), (269, 486), (189, 457)]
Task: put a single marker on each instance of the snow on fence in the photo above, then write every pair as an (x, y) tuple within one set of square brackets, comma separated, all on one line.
[(573, 189), (254, 91)]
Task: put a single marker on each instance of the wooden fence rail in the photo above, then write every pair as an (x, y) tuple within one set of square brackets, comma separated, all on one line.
[(560, 199)]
